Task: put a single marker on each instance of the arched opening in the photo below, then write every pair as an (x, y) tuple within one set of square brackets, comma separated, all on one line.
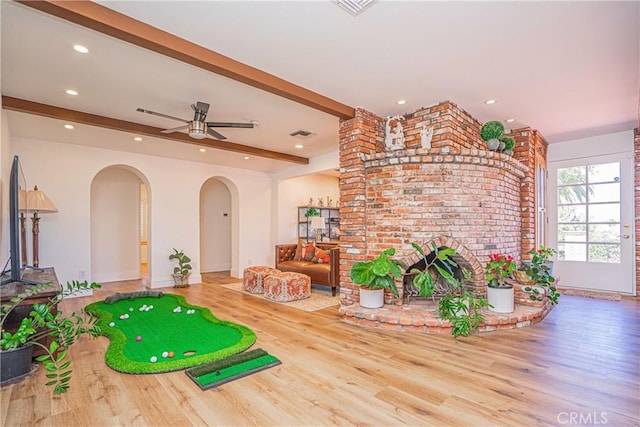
[(119, 225), (218, 226)]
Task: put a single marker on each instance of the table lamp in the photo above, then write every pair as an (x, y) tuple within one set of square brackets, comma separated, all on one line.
[(38, 202), (317, 223)]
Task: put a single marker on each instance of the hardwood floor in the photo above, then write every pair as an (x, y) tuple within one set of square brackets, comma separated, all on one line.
[(580, 366)]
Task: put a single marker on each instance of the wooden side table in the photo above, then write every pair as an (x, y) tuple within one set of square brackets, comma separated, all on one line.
[(13, 289)]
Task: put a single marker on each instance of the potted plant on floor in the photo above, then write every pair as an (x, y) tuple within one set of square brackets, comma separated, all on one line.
[(492, 132), (375, 276), (182, 271), (16, 346), (537, 276), (458, 306), (461, 308), (500, 293)]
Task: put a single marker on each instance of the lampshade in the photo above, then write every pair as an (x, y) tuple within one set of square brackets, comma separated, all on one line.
[(317, 222), (22, 200), (37, 201)]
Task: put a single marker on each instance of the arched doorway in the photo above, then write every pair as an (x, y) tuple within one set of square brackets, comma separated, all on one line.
[(119, 230), (216, 225)]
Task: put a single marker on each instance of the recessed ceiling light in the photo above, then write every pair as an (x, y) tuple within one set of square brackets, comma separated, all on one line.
[(490, 101), (68, 126), (401, 101), (71, 92), (202, 150), (299, 146), (80, 48), (137, 138), (246, 157), (511, 120)]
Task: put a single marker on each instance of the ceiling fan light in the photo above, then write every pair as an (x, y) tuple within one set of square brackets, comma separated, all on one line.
[(197, 130)]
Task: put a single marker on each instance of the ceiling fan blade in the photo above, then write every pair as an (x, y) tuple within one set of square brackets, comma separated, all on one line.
[(215, 134), (229, 125), (153, 113), (175, 129)]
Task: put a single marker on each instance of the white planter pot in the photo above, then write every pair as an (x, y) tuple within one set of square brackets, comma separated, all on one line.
[(371, 298), (501, 299)]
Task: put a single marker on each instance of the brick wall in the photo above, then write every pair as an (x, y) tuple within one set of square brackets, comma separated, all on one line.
[(530, 150), (636, 149)]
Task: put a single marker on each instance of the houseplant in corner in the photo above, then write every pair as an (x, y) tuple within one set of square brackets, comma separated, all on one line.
[(492, 132), (537, 276), (375, 276), (43, 321), (182, 270), (500, 293)]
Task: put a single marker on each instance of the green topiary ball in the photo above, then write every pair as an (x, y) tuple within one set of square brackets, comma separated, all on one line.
[(509, 143), (492, 130)]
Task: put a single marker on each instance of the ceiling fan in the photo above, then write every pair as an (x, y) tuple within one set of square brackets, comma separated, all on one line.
[(198, 128)]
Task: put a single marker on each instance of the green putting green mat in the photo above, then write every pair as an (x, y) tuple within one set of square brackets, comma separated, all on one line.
[(231, 368), (160, 334)]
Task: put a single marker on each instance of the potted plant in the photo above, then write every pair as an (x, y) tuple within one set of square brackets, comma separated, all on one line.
[(312, 212), (509, 144), (375, 276), (492, 132), (461, 308), (182, 270), (539, 280), (43, 321), (500, 293)]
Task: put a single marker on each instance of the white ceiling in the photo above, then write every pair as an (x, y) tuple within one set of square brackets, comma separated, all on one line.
[(567, 69)]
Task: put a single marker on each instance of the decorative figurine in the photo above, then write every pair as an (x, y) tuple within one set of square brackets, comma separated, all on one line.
[(394, 140), (425, 136)]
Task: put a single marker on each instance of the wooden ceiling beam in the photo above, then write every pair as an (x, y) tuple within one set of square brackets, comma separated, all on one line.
[(107, 21), (24, 106)]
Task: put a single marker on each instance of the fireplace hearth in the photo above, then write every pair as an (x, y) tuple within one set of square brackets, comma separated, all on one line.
[(454, 195)]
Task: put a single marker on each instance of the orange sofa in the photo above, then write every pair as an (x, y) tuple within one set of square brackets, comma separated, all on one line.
[(321, 274)]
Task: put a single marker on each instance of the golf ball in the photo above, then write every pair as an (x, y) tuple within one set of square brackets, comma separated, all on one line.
[(130, 308), (150, 307), (153, 359), (170, 354), (112, 324), (138, 338), (165, 354)]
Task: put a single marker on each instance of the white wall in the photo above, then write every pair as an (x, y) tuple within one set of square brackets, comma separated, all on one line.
[(174, 197), (588, 147), (115, 229), (215, 226), (296, 192)]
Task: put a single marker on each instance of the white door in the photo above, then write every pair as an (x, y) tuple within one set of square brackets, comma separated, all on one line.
[(590, 222)]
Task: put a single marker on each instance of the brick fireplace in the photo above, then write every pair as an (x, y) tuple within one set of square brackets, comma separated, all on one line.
[(455, 194)]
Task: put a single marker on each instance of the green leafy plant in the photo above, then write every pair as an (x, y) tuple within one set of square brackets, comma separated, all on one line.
[(499, 269), (312, 212), (442, 262), (509, 143), (461, 308), (43, 321), (539, 271), (183, 268), (492, 130), (379, 273)]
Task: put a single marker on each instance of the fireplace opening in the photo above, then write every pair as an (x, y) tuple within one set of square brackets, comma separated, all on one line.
[(441, 286)]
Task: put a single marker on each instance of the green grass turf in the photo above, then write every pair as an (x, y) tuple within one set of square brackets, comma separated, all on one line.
[(162, 330), (222, 371)]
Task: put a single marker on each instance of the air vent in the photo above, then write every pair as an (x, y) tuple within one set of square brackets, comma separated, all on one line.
[(354, 7), (301, 133)]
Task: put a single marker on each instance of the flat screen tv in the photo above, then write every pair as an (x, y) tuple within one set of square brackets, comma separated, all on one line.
[(16, 184)]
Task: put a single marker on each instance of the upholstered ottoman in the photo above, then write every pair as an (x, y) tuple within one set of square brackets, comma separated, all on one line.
[(287, 286), (253, 278)]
